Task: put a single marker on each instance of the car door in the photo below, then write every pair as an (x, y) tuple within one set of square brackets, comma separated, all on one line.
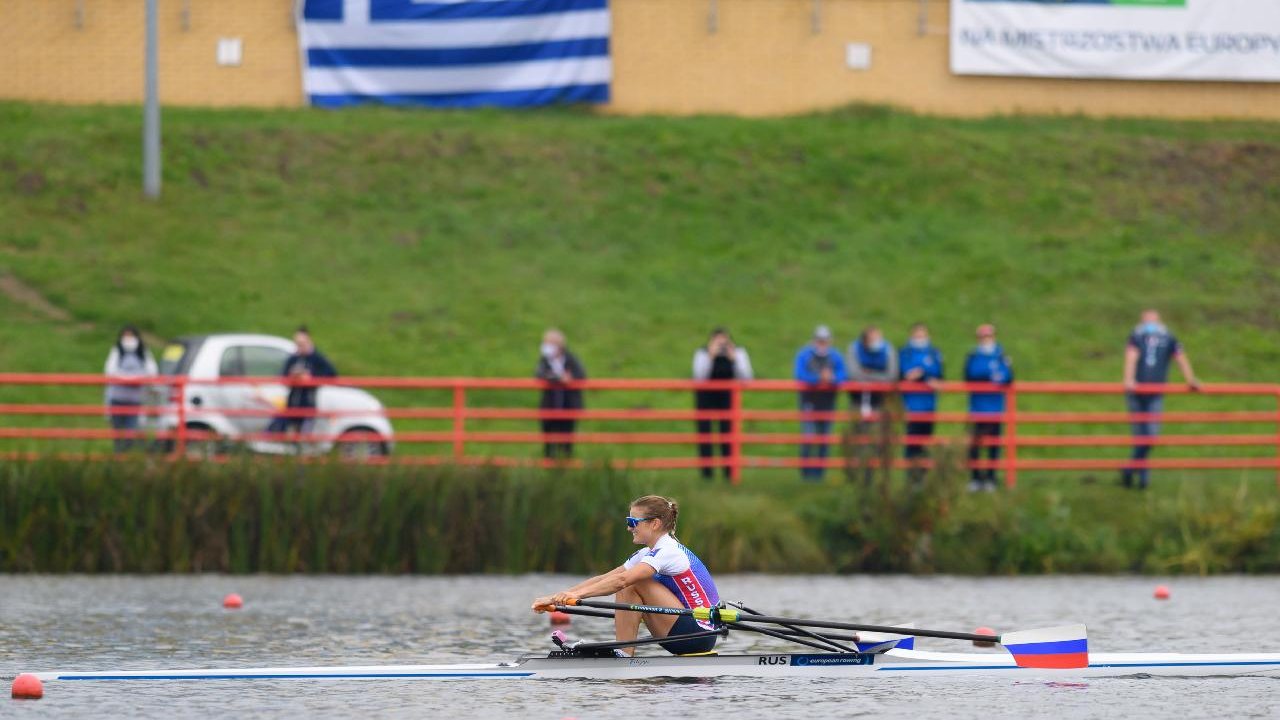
[(266, 399), (249, 407)]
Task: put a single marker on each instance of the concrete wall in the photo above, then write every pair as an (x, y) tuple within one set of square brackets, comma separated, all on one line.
[(762, 57)]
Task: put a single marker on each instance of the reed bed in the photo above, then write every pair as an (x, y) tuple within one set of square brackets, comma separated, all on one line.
[(283, 517)]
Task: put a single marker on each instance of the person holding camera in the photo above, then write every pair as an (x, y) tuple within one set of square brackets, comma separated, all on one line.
[(559, 368), (719, 359), (820, 368)]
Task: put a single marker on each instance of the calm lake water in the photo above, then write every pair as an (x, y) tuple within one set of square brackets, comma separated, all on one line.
[(91, 623)]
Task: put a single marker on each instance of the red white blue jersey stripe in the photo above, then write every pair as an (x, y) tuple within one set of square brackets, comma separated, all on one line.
[(681, 572)]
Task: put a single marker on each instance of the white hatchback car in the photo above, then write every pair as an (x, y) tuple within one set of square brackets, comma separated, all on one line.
[(218, 408)]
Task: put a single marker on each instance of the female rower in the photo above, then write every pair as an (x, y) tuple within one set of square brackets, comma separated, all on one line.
[(663, 573)]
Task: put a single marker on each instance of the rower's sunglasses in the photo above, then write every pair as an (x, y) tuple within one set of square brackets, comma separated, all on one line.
[(634, 521)]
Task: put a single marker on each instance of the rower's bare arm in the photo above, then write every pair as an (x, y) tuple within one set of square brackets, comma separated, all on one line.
[(544, 603), (577, 589), (613, 582)]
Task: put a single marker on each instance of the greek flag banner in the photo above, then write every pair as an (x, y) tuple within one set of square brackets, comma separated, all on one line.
[(454, 53)]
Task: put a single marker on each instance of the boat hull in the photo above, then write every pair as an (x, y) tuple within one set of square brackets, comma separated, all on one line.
[(899, 663)]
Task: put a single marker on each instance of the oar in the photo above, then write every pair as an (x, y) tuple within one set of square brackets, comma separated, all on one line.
[(788, 635), (607, 614), (1066, 646), (799, 631)]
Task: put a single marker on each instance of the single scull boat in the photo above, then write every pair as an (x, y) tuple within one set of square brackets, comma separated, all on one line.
[(874, 651)]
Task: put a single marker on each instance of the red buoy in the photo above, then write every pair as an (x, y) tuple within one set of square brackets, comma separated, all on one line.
[(1162, 592), (27, 687), (984, 630), (233, 602), (560, 618)]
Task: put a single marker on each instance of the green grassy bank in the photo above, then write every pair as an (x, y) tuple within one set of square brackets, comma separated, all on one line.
[(437, 243), (277, 517), (440, 243)]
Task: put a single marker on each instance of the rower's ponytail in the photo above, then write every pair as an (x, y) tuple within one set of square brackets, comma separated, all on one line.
[(663, 508)]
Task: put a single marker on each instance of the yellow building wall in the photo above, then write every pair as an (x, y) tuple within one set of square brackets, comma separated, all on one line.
[(741, 57), (91, 51)]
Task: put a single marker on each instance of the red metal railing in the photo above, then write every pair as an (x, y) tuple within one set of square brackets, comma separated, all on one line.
[(476, 420)]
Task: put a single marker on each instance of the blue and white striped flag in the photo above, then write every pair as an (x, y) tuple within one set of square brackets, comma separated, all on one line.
[(455, 53)]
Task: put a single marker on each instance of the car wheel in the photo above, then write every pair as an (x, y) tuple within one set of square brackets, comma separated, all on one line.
[(361, 444), (204, 448)]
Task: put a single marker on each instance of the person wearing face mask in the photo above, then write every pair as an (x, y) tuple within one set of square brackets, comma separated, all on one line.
[(820, 367), (1146, 361), (871, 358), (557, 366), (986, 363), (129, 358), (919, 361), (720, 360)]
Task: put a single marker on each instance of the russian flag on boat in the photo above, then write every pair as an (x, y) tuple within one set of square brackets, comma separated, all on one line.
[(455, 53), (1066, 646)]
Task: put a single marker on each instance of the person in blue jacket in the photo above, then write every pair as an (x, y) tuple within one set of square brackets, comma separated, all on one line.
[(919, 361), (986, 363), (821, 368)]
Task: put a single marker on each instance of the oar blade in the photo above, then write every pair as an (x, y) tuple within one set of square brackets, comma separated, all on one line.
[(875, 642), (1065, 646)]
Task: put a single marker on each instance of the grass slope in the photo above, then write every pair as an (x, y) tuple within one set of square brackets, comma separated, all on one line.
[(443, 243)]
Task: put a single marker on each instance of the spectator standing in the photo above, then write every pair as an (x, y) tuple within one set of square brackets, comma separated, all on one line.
[(821, 369), (986, 363), (919, 361), (720, 359), (300, 370), (128, 358), (558, 367), (871, 358), (1146, 361)]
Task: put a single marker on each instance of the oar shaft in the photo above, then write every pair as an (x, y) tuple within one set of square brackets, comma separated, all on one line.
[(608, 615), (801, 622)]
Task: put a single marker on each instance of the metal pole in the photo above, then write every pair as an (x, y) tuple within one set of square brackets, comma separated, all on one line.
[(151, 109)]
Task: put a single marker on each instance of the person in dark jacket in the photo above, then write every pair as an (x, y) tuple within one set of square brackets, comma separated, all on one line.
[(919, 361), (301, 368), (1146, 360), (986, 363), (721, 359), (820, 367), (128, 358), (558, 366)]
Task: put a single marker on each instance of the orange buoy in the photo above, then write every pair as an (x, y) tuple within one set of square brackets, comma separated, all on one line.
[(1162, 592), (27, 687), (560, 618), (233, 602), (984, 630)]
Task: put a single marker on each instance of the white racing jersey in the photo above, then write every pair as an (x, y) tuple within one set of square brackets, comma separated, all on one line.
[(677, 568)]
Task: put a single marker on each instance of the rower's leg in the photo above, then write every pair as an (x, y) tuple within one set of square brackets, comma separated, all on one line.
[(626, 624)]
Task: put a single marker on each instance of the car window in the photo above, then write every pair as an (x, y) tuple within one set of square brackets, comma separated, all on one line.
[(232, 364), (263, 361), (171, 358)]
